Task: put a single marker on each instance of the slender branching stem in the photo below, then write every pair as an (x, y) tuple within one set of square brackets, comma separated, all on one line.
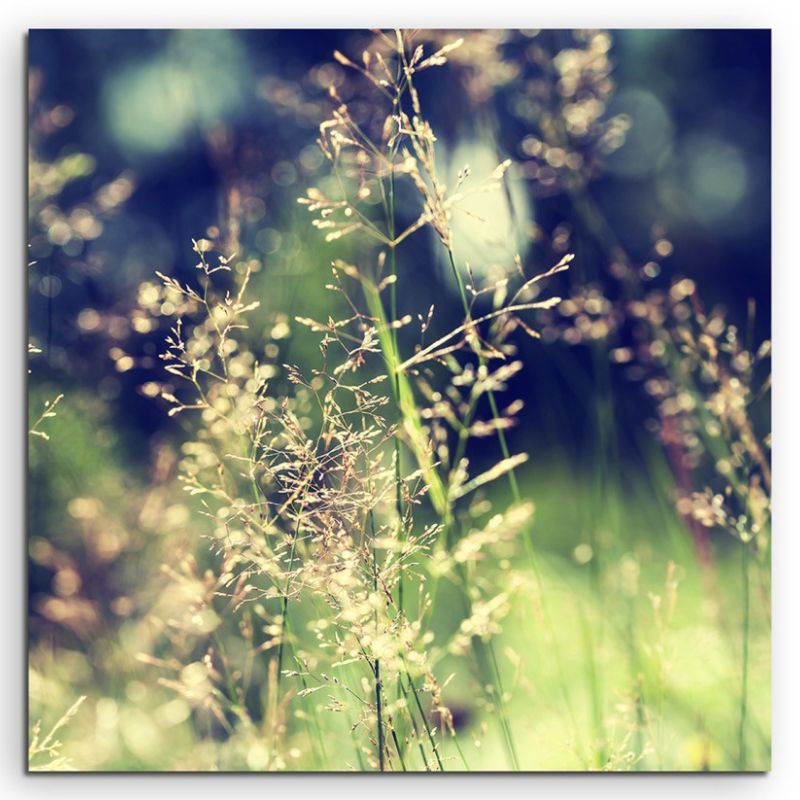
[(425, 722), (376, 667), (512, 478)]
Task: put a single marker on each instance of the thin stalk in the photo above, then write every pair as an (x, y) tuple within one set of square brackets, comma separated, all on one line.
[(309, 703), (393, 317), (398, 748), (500, 692), (406, 404), (379, 708), (512, 478), (377, 664), (285, 604), (409, 412), (460, 752), (315, 735), (410, 712), (489, 674), (425, 722), (514, 485), (283, 634)]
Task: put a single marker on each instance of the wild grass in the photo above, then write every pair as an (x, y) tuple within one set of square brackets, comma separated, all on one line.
[(361, 581)]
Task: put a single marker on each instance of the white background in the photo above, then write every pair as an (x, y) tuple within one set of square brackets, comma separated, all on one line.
[(17, 17)]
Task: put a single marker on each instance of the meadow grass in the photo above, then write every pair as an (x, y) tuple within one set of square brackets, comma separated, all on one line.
[(367, 575)]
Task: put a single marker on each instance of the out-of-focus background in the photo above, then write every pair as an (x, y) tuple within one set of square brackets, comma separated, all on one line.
[(141, 141)]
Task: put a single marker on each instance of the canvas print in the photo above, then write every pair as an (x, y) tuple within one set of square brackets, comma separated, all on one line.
[(398, 400)]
